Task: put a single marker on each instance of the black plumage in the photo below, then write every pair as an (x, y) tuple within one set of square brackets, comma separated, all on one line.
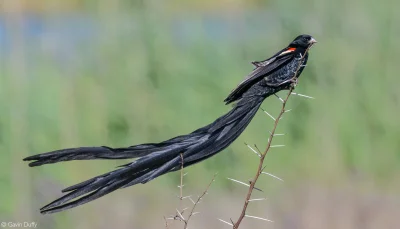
[(155, 159)]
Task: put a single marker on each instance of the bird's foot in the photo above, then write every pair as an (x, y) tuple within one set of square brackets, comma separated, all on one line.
[(294, 82)]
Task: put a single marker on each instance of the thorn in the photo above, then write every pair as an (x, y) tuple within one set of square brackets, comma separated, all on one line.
[(255, 217), (192, 200), (239, 182), (269, 114), (303, 65), (258, 154), (180, 215), (194, 213), (288, 110), (276, 134), (244, 184), (259, 151), (269, 174), (263, 168), (180, 186), (185, 174), (275, 146), (277, 96), (185, 197), (257, 199), (225, 222), (306, 96)]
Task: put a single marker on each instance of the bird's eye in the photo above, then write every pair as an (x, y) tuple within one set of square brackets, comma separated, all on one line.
[(305, 39)]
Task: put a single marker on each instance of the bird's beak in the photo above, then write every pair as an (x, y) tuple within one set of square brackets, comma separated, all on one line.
[(312, 41)]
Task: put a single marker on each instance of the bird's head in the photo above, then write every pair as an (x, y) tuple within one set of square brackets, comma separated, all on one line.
[(303, 41)]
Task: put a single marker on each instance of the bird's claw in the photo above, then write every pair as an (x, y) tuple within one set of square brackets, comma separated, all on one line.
[(294, 82)]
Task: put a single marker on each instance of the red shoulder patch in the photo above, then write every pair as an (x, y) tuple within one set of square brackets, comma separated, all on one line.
[(289, 50)]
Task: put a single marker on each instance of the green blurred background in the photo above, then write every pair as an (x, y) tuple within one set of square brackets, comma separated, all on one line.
[(118, 73)]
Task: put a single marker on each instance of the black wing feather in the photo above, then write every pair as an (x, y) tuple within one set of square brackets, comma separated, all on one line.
[(263, 69)]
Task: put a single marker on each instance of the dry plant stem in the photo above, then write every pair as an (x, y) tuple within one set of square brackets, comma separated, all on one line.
[(197, 202), (179, 213), (166, 223), (271, 136), (260, 165), (181, 187)]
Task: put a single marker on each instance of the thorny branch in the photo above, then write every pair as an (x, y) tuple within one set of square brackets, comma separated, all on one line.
[(260, 165), (197, 202), (262, 156), (179, 214), (181, 186)]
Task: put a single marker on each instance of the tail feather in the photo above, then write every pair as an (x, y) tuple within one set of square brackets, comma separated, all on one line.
[(99, 183), (155, 159), (57, 205), (104, 152), (102, 185), (85, 153), (225, 137)]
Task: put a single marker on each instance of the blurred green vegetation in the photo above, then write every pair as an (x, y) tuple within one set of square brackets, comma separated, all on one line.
[(137, 81)]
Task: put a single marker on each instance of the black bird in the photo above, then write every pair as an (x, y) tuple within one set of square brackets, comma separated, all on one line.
[(155, 159)]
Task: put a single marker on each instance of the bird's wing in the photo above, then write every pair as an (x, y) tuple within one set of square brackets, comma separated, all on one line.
[(263, 69)]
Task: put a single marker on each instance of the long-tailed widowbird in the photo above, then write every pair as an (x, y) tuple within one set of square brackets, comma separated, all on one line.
[(155, 159)]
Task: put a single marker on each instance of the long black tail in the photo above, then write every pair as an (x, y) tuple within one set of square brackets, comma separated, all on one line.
[(155, 159)]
